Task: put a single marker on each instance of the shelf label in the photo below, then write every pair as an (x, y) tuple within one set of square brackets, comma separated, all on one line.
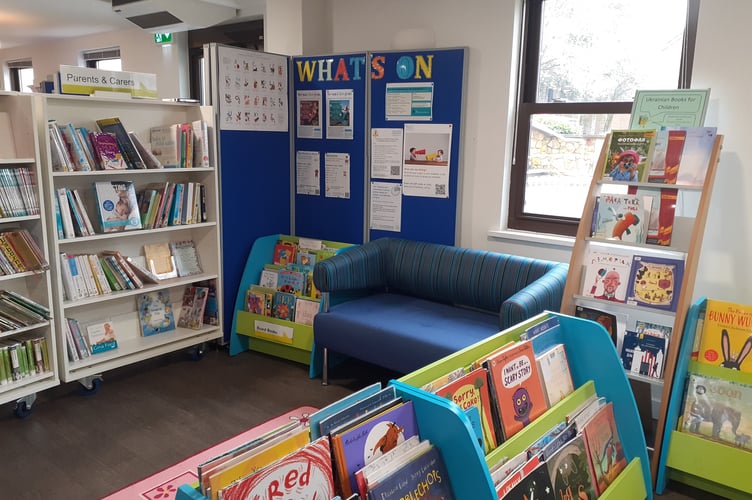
[(275, 333), (86, 81)]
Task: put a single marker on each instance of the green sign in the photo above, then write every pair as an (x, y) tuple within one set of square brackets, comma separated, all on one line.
[(162, 37)]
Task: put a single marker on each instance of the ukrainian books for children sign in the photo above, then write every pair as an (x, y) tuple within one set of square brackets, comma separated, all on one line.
[(87, 81)]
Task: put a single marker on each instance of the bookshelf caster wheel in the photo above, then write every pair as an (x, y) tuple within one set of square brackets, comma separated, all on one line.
[(90, 385), (197, 352), (23, 406)]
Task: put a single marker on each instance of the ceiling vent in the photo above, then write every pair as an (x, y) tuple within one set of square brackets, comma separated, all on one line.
[(174, 15)]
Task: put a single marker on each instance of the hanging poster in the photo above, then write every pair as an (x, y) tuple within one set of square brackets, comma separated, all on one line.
[(386, 153), (409, 101), (337, 175), (309, 114), (253, 90), (339, 108), (307, 170), (386, 206), (426, 153)]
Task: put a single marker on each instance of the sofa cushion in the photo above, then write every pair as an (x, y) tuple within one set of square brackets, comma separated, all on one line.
[(417, 331)]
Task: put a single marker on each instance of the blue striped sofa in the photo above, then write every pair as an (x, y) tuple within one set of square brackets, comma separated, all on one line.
[(403, 304)]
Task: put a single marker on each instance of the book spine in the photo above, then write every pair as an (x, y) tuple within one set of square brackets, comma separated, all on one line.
[(82, 262), (120, 272), (60, 159), (75, 148), (78, 280), (66, 216), (109, 273), (82, 209), (7, 249), (101, 280)]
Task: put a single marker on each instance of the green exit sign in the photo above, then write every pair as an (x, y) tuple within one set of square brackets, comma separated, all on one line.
[(162, 37)]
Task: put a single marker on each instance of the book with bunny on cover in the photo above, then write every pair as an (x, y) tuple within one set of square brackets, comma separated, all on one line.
[(655, 282), (726, 338)]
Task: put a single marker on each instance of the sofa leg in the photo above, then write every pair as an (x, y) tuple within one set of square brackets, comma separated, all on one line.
[(325, 368)]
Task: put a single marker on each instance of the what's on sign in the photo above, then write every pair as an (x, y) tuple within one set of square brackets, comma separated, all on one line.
[(162, 38)]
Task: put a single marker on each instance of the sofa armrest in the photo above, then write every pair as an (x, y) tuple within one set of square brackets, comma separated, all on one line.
[(543, 294), (356, 268)]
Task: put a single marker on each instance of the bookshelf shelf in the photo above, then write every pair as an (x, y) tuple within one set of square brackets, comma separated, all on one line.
[(120, 307)]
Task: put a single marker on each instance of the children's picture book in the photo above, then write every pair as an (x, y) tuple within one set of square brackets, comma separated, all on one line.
[(726, 338), (185, 255), (644, 353), (284, 253), (366, 404), (606, 319), (305, 310), (293, 282), (368, 476), (192, 307), (283, 306), (695, 159), (718, 409), (259, 300), (655, 282), (664, 167), (305, 473), (117, 206), (553, 367), (316, 418), (130, 154), (539, 328), (606, 275), (305, 258), (604, 447), (623, 217), (629, 154), (535, 484), (269, 278), (569, 470), (472, 390), (661, 221), (425, 472), (516, 387), (101, 336), (155, 313)]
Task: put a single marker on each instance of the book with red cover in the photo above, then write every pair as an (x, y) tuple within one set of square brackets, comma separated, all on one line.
[(661, 222), (516, 387), (284, 253), (604, 447), (666, 156)]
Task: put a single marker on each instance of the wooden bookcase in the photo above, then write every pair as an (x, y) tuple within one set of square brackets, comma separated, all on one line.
[(19, 148), (120, 307), (686, 243)]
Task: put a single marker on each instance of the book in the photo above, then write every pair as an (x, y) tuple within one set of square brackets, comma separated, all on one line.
[(108, 152), (75, 148), (117, 206), (130, 154), (606, 275), (424, 476), (472, 390), (284, 253), (365, 403), (269, 278), (644, 353), (553, 367), (623, 217), (606, 319), (150, 161), (259, 300), (373, 472), (655, 282), (629, 153), (155, 313), (138, 266), (293, 282), (305, 473), (524, 484), (667, 154), (192, 307), (200, 144), (569, 471), (516, 387), (159, 259), (726, 338), (165, 144), (661, 220), (604, 447), (283, 306), (315, 419), (718, 409), (305, 310), (539, 328), (101, 337), (185, 256), (695, 160), (211, 310)]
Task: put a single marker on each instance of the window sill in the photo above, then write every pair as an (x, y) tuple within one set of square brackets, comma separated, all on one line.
[(548, 240)]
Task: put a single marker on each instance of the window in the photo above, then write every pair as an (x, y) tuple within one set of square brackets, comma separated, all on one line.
[(21, 75), (581, 63), (104, 59)]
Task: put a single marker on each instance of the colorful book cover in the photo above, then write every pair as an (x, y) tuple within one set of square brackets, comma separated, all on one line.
[(536, 484), (283, 306), (192, 307), (726, 335), (315, 419), (269, 278), (606, 319), (553, 366), (306, 258), (718, 409), (623, 217), (130, 154), (570, 472), (293, 282), (629, 154), (284, 253), (604, 447), (305, 473), (516, 387), (695, 159), (155, 313), (117, 206), (664, 167), (655, 282), (606, 275), (661, 221), (472, 390), (107, 150), (644, 353), (101, 337), (356, 409), (424, 476), (259, 300), (306, 310), (365, 442)]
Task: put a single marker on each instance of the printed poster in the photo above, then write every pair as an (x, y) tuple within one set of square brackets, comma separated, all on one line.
[(309, 114), (427, 154), (252, 90), (652, 109), (307, 172), (386, 153), (409, 101), (339, 108), (337, 175), (386, 206)]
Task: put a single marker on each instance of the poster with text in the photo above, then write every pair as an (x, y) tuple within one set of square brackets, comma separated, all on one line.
[(386, 206), (386, 153), (409, 101), (427, 154), (339, 109), (309, 114), (252, 90), (307, 170), (337, 175)]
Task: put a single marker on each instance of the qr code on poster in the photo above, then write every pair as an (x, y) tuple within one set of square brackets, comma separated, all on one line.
[(394, 170), (441, 189)]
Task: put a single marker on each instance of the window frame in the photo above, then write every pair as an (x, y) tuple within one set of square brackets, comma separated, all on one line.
[(92, 57), (15, 67), (527, 107)]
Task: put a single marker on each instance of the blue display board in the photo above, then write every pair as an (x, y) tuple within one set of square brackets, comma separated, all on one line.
[(422, 88), (329, 117)]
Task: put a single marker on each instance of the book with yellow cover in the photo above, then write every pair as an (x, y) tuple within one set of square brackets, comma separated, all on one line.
[(727, 335)]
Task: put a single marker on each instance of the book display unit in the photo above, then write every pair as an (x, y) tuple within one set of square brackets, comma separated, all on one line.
[(107, 248), (23, 274), (642, 288)]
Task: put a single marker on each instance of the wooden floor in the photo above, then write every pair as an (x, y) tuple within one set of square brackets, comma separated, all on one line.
[(153, 414)]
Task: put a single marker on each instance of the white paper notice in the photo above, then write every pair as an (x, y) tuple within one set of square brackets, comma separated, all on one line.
[(337, 175), (309, 114), (307, 169), (386, 153), (427, 157), (339, 109), (409, 101), (386, 206)]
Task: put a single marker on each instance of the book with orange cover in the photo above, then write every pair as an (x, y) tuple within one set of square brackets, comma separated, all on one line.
[(604, 447)]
